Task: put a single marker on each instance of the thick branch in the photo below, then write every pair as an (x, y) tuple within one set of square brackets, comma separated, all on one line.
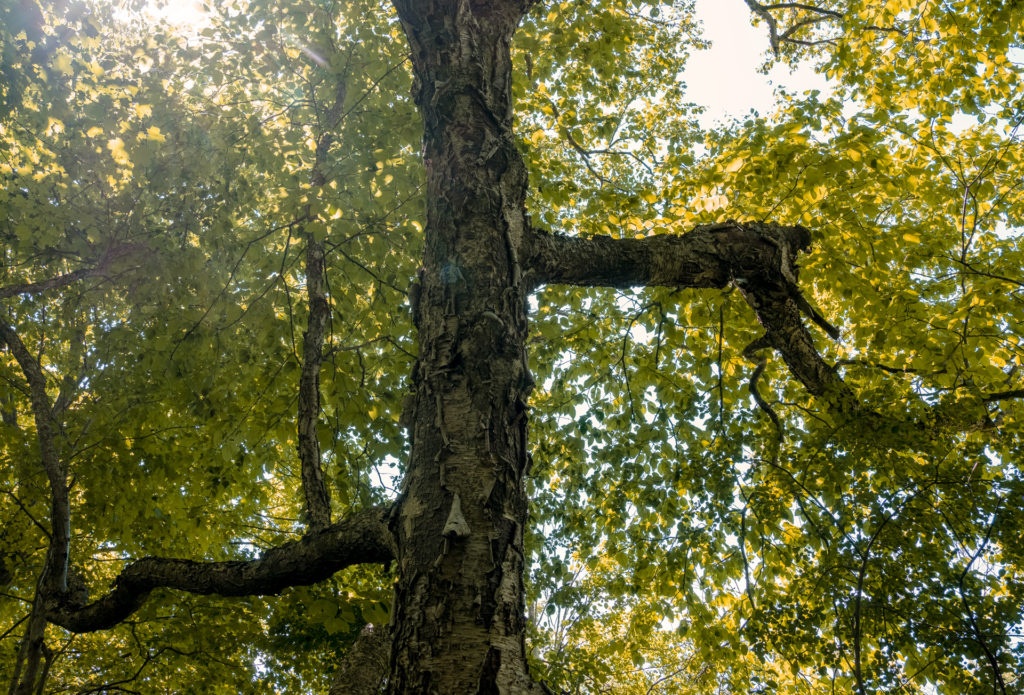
[(361, 538), (779, 313), (1003, 396), (758, 258), (710, 256)]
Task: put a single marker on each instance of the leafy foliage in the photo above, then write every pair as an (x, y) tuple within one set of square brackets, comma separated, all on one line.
[(682, 542)]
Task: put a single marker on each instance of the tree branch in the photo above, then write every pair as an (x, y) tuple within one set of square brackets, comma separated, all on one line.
[(33, 659), (314, 487), (44, 285), (113, 253), (710, 256), (802, 6), (760, 258), (1003, 396), (318, 500), (54, 577), (359, 539)]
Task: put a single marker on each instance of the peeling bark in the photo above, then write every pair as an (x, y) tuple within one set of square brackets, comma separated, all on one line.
[(458, 617), (314, 488), (364, 666), (758, 258)]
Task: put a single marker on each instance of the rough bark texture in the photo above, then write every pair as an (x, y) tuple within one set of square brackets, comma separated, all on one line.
[(362, 538), (458, 617), (711, 255), (758, 258), (317, 498), (365, 664)]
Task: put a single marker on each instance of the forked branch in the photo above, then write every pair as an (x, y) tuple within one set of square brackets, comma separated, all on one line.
[(757, 257)]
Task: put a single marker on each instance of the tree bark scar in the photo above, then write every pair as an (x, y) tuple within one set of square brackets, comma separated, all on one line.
[(499, 546), (489, 673)]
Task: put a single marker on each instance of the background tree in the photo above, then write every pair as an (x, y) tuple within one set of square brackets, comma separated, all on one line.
[(210, 239)]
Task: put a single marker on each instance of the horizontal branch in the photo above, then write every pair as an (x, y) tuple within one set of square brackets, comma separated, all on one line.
[(758, 258), (1004, 396), (362, 538), (709, 256), (114, 253), (48, 284)]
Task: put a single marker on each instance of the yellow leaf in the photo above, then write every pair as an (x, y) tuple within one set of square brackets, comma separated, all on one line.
[(94, 131), (143, 110), (62, 64), (735, 165), (154, 134), (912, 238), (116, 147)]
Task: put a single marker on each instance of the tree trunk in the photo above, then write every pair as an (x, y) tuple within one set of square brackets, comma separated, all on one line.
[(458, 624)]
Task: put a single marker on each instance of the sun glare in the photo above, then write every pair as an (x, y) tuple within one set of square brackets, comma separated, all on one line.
[(183, 14)]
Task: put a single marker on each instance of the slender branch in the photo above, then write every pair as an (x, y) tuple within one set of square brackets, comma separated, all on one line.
[(318, 501), (359, 539), (314, 488), (991, 657), (45, 531), (802, 6), (54, 576), (753, 353), (60, 281), (44, 285)]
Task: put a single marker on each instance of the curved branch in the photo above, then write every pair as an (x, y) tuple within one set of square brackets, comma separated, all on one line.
[(360, 539), (753, 353), (802, 6), (54, 577)]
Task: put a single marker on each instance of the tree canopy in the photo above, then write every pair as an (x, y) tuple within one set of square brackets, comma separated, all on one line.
[(280, 292)]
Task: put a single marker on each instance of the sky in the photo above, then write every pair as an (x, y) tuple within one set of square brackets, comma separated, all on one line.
[(725, 79)]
